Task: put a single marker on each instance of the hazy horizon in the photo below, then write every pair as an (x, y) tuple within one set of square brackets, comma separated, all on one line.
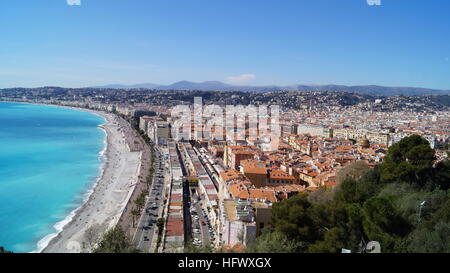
[(237, 85), (400, 43)]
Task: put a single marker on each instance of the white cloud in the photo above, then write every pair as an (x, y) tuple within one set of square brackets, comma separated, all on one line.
[(241, 78), (74, 2), (374, 2)]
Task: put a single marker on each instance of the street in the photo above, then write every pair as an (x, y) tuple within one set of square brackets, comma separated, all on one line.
[(199, 220), (147, 226)]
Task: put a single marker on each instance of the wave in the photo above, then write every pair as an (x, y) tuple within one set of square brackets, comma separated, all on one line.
[(59, 226)]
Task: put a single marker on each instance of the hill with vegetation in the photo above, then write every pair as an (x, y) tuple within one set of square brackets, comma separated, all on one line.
[(403, 204)]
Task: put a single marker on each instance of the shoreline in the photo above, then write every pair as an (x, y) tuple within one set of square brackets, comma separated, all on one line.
[(105, 200), (59, 226), (44, 242)]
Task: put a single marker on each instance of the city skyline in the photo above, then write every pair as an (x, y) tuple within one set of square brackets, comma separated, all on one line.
[(247, 127), (256, 43)]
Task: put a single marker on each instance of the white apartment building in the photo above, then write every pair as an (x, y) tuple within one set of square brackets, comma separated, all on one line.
[(237, 222)]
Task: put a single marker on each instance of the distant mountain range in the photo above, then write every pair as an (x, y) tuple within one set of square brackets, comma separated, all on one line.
[(220, 86), (121, 86)]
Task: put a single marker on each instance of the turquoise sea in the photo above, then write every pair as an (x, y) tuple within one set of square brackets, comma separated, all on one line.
[(50, 158)]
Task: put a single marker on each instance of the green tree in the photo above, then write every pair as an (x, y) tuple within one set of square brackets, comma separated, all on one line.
[(3, 250), (190, 248), (91, 237), (351, 191), (410, 160), (291, 217), (115, 241), (140, 201), (381, 204), (135, 213), (340, 226), (272, 242), (160, 224), (333, 242), (442, 174), (383, 223), (434, 240)]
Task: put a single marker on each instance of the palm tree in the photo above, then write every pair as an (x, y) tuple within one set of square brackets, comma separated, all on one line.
[(136, 202), (148, 181), (135, 214), (141, 200)]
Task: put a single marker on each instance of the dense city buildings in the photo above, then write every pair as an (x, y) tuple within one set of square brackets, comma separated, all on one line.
[(222, 190)]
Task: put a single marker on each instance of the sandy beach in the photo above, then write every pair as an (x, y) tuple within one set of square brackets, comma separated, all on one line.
[(109, 197)]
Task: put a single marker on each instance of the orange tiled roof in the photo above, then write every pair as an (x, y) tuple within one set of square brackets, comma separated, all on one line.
[(279, 174), (229, 175), (239, 190), (263, 194), (288, 188), (254, 167)]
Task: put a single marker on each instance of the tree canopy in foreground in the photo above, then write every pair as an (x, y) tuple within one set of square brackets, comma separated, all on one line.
[(404, 204), (115, 241), (3, 250)]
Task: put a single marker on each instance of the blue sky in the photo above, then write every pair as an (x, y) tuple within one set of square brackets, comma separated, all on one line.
[(255, 42)]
